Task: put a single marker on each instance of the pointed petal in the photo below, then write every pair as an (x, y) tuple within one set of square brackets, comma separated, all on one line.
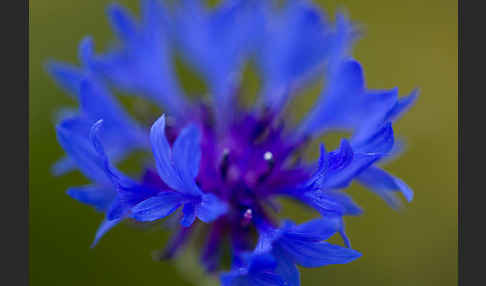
[(98, 197), (157, 207), (385, 185), (105, 226), (402, 105), (380, 140), (347, 168), (66, 76), (112, 173), (316, 254), (187, 152), (346, 105), (72, 136), (322, 169), (315, 230), (163, 155), (342, 157), (98, 103), (331, 203), (86, 51), (63, 166), (339, 105), (122, 22)]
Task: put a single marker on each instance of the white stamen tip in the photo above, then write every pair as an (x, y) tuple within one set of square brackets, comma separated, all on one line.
[(268, 156)]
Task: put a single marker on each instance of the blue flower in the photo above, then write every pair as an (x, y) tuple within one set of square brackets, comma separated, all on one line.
[(221, 165)]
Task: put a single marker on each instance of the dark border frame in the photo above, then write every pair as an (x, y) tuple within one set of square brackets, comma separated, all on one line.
[(15, 134), (471, 191)]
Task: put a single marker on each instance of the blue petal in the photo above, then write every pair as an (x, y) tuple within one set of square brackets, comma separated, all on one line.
[(86, 51), (261, 262), (189, 214), (341, 41), (209, 39), (322, 169), (381, 140), (266, 238), (122, 22), (385, 185), (97, 103), (63, 166), (341, 158), (377, 135), (261, 279), (163, 155), (122, 134), (142, 64), (286, 268), (343, 234), (345, 104), (98, 197), (157, 207), (129, 192), (319, 254), (177, 167), (314, 230), (187, 153), (256, 272), (402, 105), (113, 174), (210, 208), (117, 210), (66, 76), (266, 279), (330, 163), (216, 43), (316, 254), (233, 279), (71, 135), (331, 203), (346, 166), (105, 226), (306, 42)]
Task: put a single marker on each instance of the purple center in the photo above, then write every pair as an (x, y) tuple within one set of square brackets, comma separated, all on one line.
[(246, 167)]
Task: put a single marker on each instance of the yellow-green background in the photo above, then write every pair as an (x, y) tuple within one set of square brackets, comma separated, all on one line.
[(406, 44)]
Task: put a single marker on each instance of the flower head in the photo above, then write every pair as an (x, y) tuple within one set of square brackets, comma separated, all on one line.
[(218, 164)]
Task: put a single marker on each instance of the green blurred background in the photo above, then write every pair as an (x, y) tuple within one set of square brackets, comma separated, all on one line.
[(406, 44)]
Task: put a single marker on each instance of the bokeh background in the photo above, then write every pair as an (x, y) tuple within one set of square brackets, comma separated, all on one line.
[(406, 44)]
